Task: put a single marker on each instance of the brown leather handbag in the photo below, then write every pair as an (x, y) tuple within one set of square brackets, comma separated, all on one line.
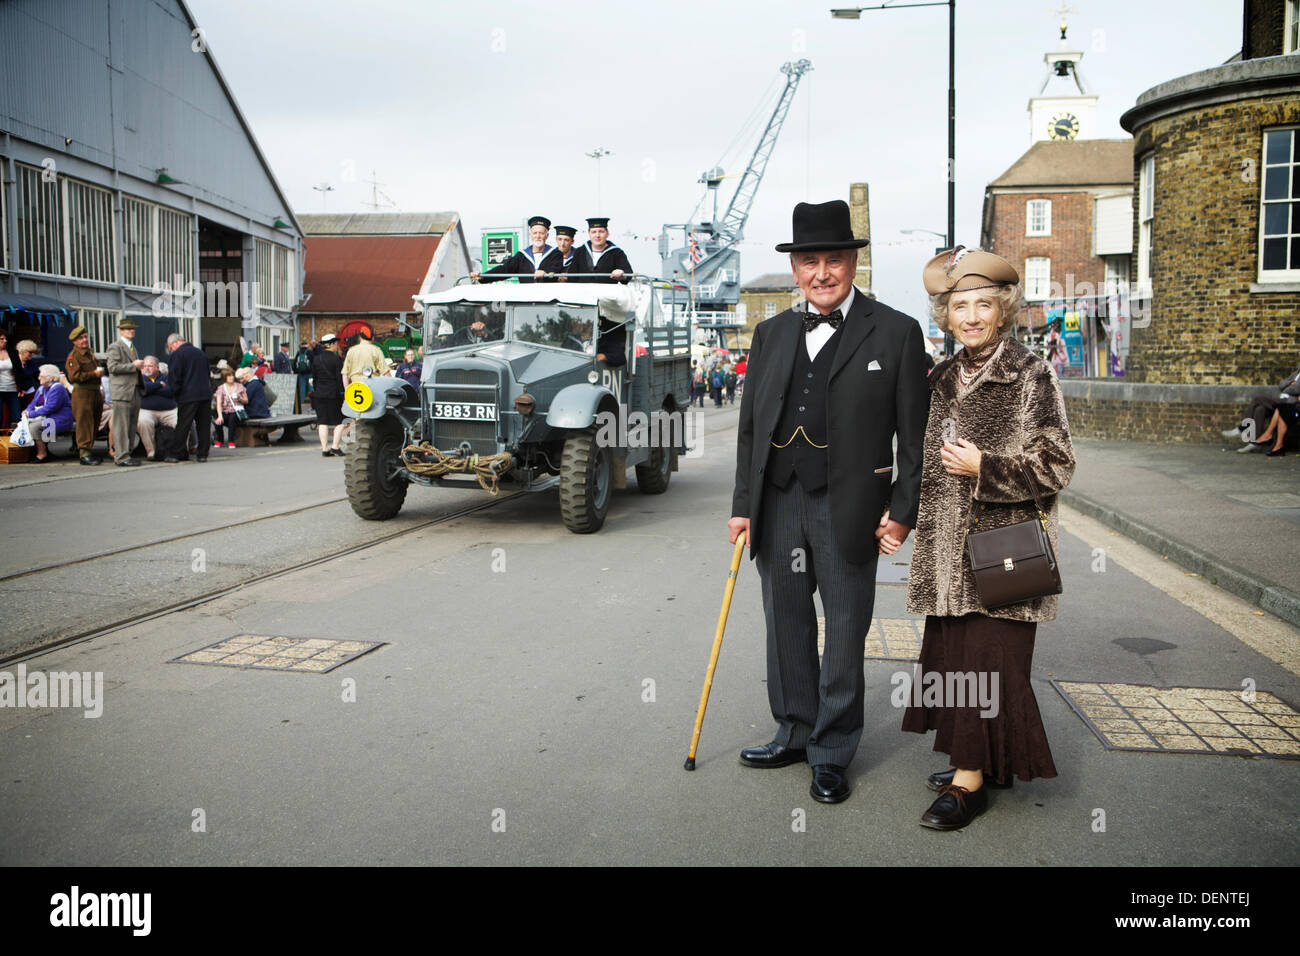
[(1014, 563)]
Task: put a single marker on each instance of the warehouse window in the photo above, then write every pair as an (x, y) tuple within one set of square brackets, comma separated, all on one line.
[(175, 246), (1038, 217), (4, 226), (38, 211), (1291, 35), (88, 231), (1146, 217), (275, 267), (1279, 215), (159, 245), (101, 324), (1038, 277), (769, 309)]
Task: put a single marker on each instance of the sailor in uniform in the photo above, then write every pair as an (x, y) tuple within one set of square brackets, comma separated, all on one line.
[(564, 236), (598, 254), (532, 261)]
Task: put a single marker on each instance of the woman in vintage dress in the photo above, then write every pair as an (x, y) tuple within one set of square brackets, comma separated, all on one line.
[(994, 406)]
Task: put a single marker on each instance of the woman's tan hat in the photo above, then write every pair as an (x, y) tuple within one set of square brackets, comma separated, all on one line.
[(962, 269)]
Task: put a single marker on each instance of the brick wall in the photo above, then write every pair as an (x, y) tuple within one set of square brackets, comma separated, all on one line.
[(1197, 423), (1263, 21), (1069, 246), (1205, 324)]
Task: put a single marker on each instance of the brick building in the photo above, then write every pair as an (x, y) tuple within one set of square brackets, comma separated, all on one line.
[(1216, 242), (1062, 216), (766, 296), (363, 268)]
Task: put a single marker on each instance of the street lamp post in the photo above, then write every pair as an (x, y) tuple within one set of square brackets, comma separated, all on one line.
[(597, 154), (855, 13)]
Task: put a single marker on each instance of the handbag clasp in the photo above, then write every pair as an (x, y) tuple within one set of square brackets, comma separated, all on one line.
[(1008, 564)]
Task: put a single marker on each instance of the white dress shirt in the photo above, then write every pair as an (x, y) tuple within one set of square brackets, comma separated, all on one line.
[(819, 336)]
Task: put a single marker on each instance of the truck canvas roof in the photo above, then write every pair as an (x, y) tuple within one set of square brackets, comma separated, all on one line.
[(613, 300)]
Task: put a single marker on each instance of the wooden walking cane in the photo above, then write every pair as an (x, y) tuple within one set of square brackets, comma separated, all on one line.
[(717, 646)]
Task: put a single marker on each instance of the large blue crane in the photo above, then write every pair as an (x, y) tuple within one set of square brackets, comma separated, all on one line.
[(717, 258)]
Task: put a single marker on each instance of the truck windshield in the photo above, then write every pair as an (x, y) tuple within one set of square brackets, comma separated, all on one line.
[(563, 326), (463, 323)]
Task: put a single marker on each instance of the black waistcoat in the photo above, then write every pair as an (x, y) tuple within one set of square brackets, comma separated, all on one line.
[(805, 405)]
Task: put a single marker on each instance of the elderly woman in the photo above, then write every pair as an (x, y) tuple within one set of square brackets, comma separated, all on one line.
[(995, 407), (50, 412), (257, 406)]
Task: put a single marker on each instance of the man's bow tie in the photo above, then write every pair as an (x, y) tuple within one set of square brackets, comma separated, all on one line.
[(813, 319)]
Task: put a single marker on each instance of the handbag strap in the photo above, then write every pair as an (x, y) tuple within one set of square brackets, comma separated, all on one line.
[(1033, 490)]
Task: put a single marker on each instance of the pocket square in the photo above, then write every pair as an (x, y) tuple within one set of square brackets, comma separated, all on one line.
[(873, 366)]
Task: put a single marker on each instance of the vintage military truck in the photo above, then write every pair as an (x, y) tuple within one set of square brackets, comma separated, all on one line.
[(514, 392)]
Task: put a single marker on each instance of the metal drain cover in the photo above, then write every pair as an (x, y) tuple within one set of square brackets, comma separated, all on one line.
[(315, 655), (1185, 720)]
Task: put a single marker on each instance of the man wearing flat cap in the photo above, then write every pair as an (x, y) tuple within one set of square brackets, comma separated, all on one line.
[(828, 387), (125, 389), (87, 392), (533, 261)]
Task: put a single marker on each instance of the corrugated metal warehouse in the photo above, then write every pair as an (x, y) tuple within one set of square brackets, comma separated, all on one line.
[(129, 173)]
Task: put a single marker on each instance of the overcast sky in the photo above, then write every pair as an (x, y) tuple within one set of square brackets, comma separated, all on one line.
[(488, 108)]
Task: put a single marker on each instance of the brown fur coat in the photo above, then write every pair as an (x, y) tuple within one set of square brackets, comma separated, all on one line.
[(1014, 411)]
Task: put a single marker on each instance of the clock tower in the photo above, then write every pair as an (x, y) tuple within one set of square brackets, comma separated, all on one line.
[(1063, 109)]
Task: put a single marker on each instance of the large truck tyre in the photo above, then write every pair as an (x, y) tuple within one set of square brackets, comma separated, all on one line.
[(373, 491), (652, 477), (585, 482)]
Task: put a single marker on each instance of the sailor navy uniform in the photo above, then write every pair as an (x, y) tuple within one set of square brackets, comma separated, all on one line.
[(525, 262), (587, 260)]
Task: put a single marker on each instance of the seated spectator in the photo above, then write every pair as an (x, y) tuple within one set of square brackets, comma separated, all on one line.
[(157, 406), (12, 382), (50, 412), (1261, 417), (409, 369), (255, 389), (1283, 420), (230, 401)]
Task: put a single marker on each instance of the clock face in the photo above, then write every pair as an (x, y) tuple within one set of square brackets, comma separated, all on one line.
[(1063, 126)]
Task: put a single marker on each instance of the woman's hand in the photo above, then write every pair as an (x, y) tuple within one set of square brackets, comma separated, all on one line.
[(961, 458)]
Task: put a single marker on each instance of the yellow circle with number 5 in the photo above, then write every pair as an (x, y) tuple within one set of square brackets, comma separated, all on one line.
[(358, 396)]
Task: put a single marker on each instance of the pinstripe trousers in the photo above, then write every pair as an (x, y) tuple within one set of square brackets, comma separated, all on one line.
[(819, 707)]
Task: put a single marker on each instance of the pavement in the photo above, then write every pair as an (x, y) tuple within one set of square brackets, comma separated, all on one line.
[(1231, 518), (533, 700)]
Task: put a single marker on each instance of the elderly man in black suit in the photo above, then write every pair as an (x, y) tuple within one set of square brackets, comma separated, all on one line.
[(827, 389)]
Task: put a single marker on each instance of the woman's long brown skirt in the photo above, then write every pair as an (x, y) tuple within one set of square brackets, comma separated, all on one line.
[(1011, 743)]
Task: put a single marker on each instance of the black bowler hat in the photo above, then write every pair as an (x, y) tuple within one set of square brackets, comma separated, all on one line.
[(822, 226), (566, 231), (539, 221), (601, 221)]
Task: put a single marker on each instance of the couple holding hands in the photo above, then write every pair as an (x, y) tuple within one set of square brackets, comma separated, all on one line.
[(826, 392)]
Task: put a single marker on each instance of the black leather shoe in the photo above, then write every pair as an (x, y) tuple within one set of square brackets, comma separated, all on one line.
[(171, 460), (89, 460), (772, 755), (828, 783), (127, 463), (203, 460), (944, 777), (955, 808)]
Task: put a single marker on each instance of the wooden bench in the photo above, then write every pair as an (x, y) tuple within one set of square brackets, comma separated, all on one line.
[(256, 432)]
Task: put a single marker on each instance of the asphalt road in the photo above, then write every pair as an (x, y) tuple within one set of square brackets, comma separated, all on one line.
[(535, 695)]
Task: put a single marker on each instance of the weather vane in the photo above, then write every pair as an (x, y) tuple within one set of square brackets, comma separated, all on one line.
[(1063, 11)]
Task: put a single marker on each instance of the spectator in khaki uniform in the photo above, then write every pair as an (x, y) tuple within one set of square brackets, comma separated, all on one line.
[(87, 399)]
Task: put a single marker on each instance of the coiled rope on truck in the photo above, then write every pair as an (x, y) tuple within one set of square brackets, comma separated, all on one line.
[(423, 459)]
